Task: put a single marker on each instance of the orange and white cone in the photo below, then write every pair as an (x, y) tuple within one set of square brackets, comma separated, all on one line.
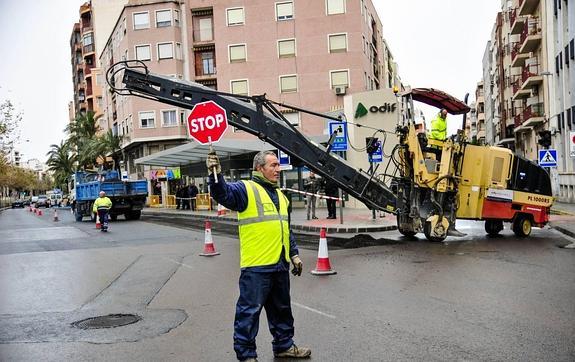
[(209, 249), (323, 266), (35, 210), (56, 215), (98, 223), (29, 208), (39, 212)]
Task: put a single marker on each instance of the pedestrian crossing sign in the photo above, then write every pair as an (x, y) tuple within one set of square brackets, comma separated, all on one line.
[(548, 158)]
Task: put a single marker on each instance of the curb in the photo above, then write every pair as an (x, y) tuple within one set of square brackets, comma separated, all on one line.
[(561, 212), (305, 228)]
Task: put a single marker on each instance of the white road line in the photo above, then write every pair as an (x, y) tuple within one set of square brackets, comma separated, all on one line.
[(313, 310)]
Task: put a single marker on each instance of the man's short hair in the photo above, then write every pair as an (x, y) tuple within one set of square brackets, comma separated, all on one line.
[(260, 158)]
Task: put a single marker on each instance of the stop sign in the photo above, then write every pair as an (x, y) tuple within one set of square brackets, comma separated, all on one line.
[(207, 123)]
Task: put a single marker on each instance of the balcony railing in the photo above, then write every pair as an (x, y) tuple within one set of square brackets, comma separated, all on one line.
[(517, 120), (533, 110), (530, 70), (530, 29)]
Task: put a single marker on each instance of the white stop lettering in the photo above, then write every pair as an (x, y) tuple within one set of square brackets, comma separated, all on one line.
[(206, 123)]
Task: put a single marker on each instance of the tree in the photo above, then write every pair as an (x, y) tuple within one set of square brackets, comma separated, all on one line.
[(82, 132), (9, 121), (61, 161), (108, 144)]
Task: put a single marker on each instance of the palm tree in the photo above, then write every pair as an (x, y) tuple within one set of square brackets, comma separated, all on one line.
[(106, 145), (82, 131), (61, 161)]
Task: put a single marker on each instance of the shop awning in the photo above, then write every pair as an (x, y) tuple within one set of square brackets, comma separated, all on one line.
[(194, 152)]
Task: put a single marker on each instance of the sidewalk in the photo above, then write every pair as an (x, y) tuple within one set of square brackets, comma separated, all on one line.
[(563, 218), (355, 221)]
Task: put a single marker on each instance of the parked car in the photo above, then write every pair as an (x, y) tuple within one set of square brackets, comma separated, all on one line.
[(56, 200), (27, 201), (17, 203), (43, 201), (34, 200)]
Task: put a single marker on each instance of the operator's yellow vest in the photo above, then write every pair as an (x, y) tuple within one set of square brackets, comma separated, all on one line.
[(263, 229), (439, 128)]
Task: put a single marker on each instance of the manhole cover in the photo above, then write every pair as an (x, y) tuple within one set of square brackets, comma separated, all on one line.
[(107, 321)]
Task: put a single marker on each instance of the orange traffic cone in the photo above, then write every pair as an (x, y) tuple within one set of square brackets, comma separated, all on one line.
[(56, 215), (98, 224), (39, 212), (29, 208), (35, 211), (323, 267), (209, 249)]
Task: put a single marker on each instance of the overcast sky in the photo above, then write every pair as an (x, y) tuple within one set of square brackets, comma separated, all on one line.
[(437, 43)]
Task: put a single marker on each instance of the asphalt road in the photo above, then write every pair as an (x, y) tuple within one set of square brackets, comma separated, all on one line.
[(466, 299)]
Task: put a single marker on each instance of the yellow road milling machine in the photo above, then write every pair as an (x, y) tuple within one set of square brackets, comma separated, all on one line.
[(433, 184)]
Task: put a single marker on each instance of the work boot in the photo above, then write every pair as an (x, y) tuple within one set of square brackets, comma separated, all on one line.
[(250, 360), (294, 352)]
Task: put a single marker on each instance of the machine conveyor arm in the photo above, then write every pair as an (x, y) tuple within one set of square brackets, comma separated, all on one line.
[(258, 116)]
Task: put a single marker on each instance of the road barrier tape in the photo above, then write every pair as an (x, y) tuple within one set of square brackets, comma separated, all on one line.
[(320, 196)]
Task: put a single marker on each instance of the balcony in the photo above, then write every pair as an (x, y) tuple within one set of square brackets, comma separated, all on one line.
[(527, 7), (533, 115), (518, 91), (517, 22), (517, 58), (531, 36), (530, 77)]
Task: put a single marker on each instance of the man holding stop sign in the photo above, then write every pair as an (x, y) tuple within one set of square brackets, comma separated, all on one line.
[(266, 249)]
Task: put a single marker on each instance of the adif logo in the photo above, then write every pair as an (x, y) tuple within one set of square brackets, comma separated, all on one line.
[(360, 111)]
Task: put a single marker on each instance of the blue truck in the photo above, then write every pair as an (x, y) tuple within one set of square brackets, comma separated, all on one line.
[(128, 197)]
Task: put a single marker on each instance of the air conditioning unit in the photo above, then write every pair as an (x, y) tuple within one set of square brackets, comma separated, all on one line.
[(340, 90)]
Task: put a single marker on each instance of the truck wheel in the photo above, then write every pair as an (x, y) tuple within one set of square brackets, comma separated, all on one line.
[(113, 217), (493, 227), (522, 226), (133, 215), (78, 216), (427, 232)]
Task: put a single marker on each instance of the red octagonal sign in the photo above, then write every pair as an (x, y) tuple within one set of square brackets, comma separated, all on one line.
[(207, 123)]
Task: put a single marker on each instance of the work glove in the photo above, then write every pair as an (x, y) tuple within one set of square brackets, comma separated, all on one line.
[(297, 265), (213, 162)]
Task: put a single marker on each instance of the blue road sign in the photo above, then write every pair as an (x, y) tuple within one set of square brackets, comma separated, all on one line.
[(377, 156), (340, 143), (548, 158), (284, 160)]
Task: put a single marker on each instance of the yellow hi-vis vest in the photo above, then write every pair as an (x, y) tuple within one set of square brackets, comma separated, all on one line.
[(263, 229), (438, 128)]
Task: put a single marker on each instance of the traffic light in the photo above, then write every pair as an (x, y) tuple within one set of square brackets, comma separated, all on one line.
[(544, 139), (371, 144)]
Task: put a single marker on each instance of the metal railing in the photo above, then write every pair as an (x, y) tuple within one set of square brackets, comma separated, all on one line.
[(533, 110), (531, 27), (529, 70)]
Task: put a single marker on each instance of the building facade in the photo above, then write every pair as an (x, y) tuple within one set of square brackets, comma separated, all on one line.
[(302, 53)]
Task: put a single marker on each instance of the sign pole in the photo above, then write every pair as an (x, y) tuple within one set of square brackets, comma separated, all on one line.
[(215, 168)]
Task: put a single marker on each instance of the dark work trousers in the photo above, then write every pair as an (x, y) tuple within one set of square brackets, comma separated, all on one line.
[(331, 210), (269, 290), (103, 214)]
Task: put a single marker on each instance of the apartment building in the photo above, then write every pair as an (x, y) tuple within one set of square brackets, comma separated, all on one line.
[(479, 114), (304, 53), (560, 28), (85, 74)]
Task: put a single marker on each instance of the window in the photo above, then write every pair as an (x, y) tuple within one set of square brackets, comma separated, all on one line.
[(337, 43), (284, 11), (208, 66), (141, 20), (169, 118), (239, 87), (237, 53), (143, 52), (292, 117), (339, 78), (163, 18), (176, 18), (203, 29), (335, 7), (165, 51), (147, 119), (286, 48), (235, 16), (288, 83)]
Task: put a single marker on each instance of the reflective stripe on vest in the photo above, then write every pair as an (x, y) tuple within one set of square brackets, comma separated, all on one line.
[(263, 229)]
